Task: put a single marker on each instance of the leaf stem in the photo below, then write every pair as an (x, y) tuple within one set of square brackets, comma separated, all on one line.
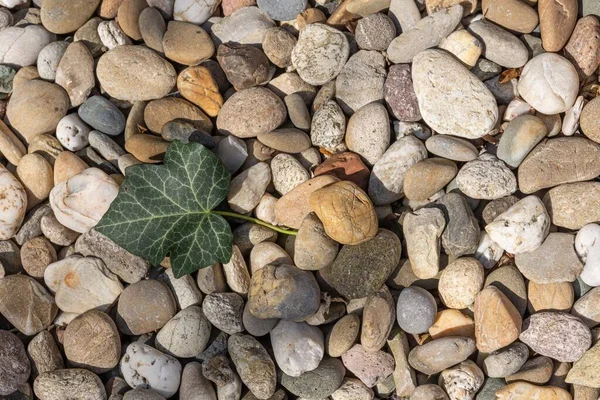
[(256, 221)]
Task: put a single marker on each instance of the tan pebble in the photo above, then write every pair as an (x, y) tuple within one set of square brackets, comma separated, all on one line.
[(197, 85), (346, 211), (460, 282), (75, 73), (23, 75), (310, 16), (294, 206), (211, 279), (158, 112), (147, 148), (497, 321), (557, 20), (36, 255), (10, 146), (152, 28), (452, 323), (37, 177), (583, 48), (537, 370), (47, 146), (590, 119), (108, 8), (513, 15), (427, 177), (343, 335), (67, 165), (550, 297), (66, 16), (135, 120), (466, 47), (187, 44), (432, 6), (128, 16), (37, 108), (527, 391), (378, 319)]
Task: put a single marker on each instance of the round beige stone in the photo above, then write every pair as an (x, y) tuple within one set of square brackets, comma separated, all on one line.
[(343, 335), (497, 321), (590, 120), (92, 341), (37, 177), (187, 44), (460, 282), (550, 297), (36, 255), (128, 16), (159, 112), (66, 16), (135, 73), (67, 165), (427, 177), (147, 148)]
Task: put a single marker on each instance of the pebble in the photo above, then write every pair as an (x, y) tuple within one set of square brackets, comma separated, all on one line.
[(211, 279), (48, 59), (70, 19), (80, 202), (313, 248), (464, 46), (152, 28), (500, 46), (36, 255), (15, 366), (250, 112), (553, 262), (256, 326), (537, 370), (378, 318), (424, 34), (248, 25), (75, 73), (148, 149), (452, 322), (44, 354), (557, 335), (72, 132), (186, 43), (507, 361), (550, 296), (416, 310), (81, 284), (65, 383), (375, 32), (37, 108), (435, 356), (105, 146), (194, 11), (290, 82), (111, 35), (57, 233), (197, 85), (435, 74), (347, 214), (135, 73), (92, 341), (497, 321), (565, 212), (278, 45), (186, 334), (343, 335), (370, 367), (287, 173), (522, 228), (184, 289), (102, 115), (360, 81), (352, 389), (145, 367), (20, 45), (159, 112), (486, 178), (320, 383), (13, 204), (328, 127), (520, 136), (588, 122), (422, 230), (350, 274), (582, 48), (585, 245), (297, 346), (585, 370), (524, 390), (254, 365), (509, 281), (224, 311), (399, 94), (428, 177), (128, 16), (128, 267), (549, 83), (557, 21), (232, 152), (88, 34), (145, 306), (368, 132), (194, 384), (462, 381), (246, 189), (320, 53), (460, 282), (428, 392), (36, 176)]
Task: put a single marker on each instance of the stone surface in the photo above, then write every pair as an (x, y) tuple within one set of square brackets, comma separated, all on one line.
[(14, 365), (313, 248), (507, 361), (64, 383), (557, 20), (75, 73), (452, 322), (351, 273), (509, 280), (360, 81), (370, 367), (416, 310), (553, 262), (460, 282), (224, 311), (346, 166), (462, 380), (368, 132), (550, 296), (287, 173), (520, 136), (343, 335), (247, 25), (572, 205), (186, 43), (254, 365), (435, 75), (461, 235), (278, 45), (560, 336), (585, 370), (549, 83), (320, 53), (428, 177), (500, 46), (439, 354), (21, 45), (513, 15), (379, 315), (297, 346), (524, 390), (61, 17), (120, 74), (399, 94), (328, 127), (44, 354), (497, 321), (423, 230), (536, 370), (375, 32), (186, 334), (424, 34), (102, 115), (320, 383)]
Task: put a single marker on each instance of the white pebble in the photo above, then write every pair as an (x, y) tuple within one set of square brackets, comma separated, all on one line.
[(72, 132), (571, 120), (111, 35), (13, 203), (194, 11), (587, 245), (488, 252), (297, 346)]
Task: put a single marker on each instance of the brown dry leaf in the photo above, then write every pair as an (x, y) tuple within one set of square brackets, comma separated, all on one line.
[(510, 74)]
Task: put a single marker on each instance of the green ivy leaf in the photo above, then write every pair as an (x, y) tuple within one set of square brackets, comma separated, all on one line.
[(167, 209)]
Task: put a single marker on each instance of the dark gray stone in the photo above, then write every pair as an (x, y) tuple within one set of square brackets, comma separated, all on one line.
[(14, 364), (360, 270), (504, 362), (461, 235), (416, 310), (93, 159), (490, 386), (102, 115), (319, 383), (485, 69), (31, 227), (497, 207), (10, 257)]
